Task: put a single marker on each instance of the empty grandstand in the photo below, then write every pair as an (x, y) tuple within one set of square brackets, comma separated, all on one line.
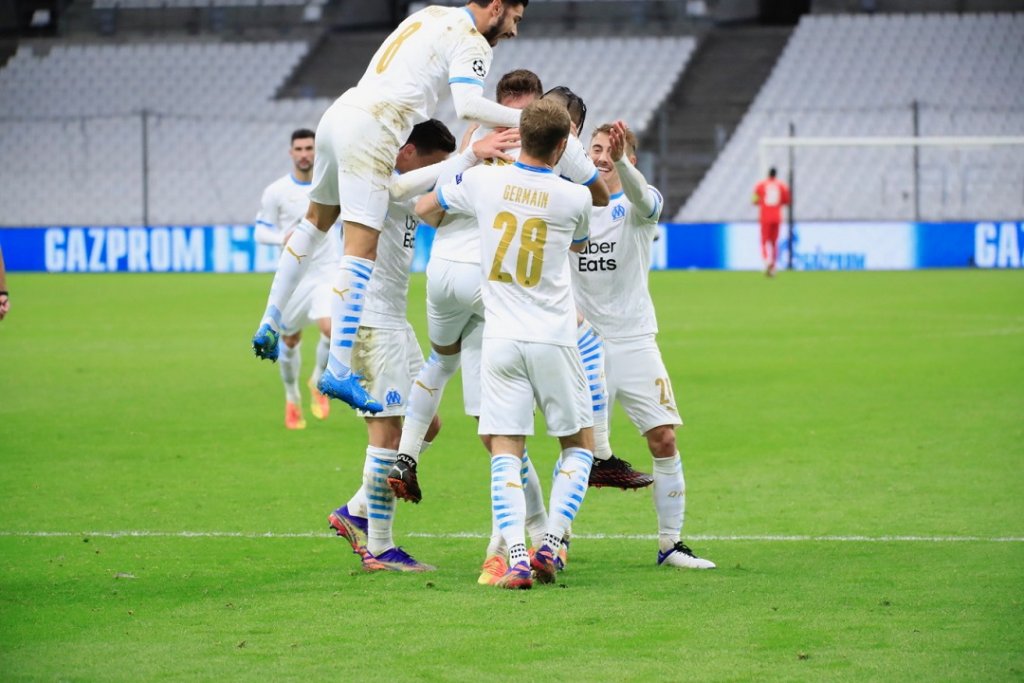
[(888, 75), (185, 126), (213, 131)]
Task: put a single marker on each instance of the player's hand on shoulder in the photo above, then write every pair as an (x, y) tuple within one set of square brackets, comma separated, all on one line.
[(493, 145)]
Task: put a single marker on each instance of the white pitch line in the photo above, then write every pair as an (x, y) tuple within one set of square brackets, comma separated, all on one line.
[(476, 535)]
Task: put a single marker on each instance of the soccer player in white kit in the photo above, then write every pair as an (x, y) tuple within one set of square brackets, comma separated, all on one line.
[(610, 283), (455, 307), (387, 354), (529, 220), (282, 206), (357, 141)]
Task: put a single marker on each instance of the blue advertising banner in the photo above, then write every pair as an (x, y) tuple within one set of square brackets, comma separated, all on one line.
[(732, 246)]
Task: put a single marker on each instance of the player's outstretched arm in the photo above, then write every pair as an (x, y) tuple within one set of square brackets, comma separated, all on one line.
[(644, 199), (429, 209), (470, 104), (491, 146)]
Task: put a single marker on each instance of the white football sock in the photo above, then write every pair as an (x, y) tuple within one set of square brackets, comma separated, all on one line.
[(380, 499), (669, 492), (591, 349), (508, 504), (536, 515), (424, 399), (357, 503), (323, 350), (347, 310), (567, 493), (496, 545), (290, 360), (291, 268)]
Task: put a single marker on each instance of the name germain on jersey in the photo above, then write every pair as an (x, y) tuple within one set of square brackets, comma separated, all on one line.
[(593, 265), (525, 196)]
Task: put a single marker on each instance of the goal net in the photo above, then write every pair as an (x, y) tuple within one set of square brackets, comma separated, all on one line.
[(930, 178)]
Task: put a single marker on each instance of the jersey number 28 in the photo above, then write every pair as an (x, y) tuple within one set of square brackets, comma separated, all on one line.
[(531, 249)]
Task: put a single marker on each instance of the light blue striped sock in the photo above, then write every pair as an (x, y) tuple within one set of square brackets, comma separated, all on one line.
[(380, 499), (567, 493), (591, 349), (507, 500), (347, 311)]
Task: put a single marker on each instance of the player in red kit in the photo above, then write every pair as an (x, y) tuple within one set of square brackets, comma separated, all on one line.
[(771, 194)]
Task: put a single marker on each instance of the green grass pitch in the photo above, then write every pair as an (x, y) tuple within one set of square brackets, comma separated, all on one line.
[(820, 407)]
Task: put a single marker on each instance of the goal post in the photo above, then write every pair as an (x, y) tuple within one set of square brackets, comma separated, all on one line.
[(767, 145)]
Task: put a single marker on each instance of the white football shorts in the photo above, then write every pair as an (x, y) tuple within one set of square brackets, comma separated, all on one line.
[(453, 299), (310, 302), (355, 158), (637, 379), (516, 373), (388, 360)]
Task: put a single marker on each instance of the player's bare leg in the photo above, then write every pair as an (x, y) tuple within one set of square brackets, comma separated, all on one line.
[(670, 500), (354, 273), (291, 268)]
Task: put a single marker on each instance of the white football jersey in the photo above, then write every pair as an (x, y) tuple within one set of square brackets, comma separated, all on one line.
[(610, 276), (528, 218), (387, 295), (429, 50), (283, 205), (460, 239)]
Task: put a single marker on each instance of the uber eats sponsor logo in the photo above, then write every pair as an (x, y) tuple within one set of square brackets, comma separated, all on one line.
[(409, 238), (597, 256)]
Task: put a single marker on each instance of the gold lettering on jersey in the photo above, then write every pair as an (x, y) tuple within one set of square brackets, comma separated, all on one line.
[(392, 49), (523, 195), (667, 400), (497, 162)]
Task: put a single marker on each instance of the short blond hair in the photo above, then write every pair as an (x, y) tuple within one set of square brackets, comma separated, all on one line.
[(631, 141), (542, 126)]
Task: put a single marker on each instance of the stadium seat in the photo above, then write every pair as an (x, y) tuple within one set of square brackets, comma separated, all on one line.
[(858, 75)]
